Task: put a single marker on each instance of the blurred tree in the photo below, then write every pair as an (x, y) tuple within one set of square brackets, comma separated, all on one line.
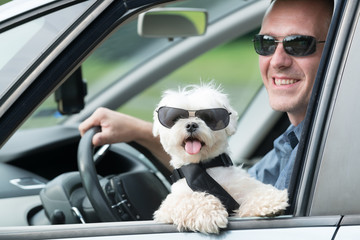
[(4, 1)]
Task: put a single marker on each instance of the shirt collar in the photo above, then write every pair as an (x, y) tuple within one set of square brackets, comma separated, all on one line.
[(293, 134)]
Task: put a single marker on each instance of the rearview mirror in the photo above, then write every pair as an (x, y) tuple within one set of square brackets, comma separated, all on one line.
[(172, 22), (70, 95)]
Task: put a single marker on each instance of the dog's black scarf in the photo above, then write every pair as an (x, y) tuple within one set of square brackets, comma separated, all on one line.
[(199, 180)]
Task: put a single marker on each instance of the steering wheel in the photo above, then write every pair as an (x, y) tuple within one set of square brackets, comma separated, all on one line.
[(90, 179), (128, 196)]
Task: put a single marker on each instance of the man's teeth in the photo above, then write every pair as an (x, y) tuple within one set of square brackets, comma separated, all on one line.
[(280, 82)]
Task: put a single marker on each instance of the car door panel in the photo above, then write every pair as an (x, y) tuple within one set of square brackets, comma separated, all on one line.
[(347, 232), (349, 227)]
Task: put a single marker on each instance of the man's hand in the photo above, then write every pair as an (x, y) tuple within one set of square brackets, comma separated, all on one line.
[(115, 127)]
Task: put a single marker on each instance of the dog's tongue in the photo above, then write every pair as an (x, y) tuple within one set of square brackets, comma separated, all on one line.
[(192, 146)]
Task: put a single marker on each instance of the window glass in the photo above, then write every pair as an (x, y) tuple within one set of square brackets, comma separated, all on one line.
[(22, 45)]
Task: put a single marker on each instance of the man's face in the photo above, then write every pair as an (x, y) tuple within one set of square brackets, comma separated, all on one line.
[(288, 79)]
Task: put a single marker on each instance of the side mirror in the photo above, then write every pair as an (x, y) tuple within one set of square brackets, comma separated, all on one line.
[(172, 22), (70, 95)]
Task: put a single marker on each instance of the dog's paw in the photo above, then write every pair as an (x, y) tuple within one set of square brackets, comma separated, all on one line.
[(198, 212), (268, 203), (162, 216), (202, 213), (166, 210)]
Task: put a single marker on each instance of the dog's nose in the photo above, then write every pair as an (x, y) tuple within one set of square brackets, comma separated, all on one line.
[(191, 127)]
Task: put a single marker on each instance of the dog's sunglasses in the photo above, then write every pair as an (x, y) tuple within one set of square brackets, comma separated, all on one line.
[(215, 118), (294, 45)]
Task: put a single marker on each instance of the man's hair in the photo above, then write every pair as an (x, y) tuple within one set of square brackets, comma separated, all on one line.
[(330, 7)]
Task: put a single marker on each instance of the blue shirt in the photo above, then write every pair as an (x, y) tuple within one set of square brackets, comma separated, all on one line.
[(276, 166)]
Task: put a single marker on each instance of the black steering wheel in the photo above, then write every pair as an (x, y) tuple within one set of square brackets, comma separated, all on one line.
[(90, 179), (128, 196)]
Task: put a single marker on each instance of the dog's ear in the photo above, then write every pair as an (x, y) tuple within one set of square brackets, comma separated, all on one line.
[(231, 128)]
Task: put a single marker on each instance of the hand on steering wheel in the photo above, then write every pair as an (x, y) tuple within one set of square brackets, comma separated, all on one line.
[(133, 195)]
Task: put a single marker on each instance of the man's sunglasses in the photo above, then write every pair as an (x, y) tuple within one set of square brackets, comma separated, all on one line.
[(294, 45), (215, 118)]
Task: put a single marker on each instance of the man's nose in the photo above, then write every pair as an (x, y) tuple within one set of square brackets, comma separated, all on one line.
[(280, 59)]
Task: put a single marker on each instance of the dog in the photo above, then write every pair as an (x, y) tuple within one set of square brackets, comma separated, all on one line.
[(194, 124)]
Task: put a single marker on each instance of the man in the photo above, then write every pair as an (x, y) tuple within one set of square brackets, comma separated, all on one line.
[(288, 66), (289, 77)]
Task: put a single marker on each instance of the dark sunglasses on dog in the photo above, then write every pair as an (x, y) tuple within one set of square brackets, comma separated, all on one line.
[(215, 118), (294, 45)]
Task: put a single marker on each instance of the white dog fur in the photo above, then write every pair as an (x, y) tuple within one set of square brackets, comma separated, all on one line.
[(199, 211)]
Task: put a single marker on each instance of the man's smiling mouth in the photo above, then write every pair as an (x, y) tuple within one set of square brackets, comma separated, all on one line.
[(282, 82)]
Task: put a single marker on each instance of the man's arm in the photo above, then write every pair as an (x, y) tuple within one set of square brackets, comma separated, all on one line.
[(118, 127)]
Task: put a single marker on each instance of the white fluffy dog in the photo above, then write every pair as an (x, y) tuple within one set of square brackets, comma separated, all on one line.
[(190, 136)]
